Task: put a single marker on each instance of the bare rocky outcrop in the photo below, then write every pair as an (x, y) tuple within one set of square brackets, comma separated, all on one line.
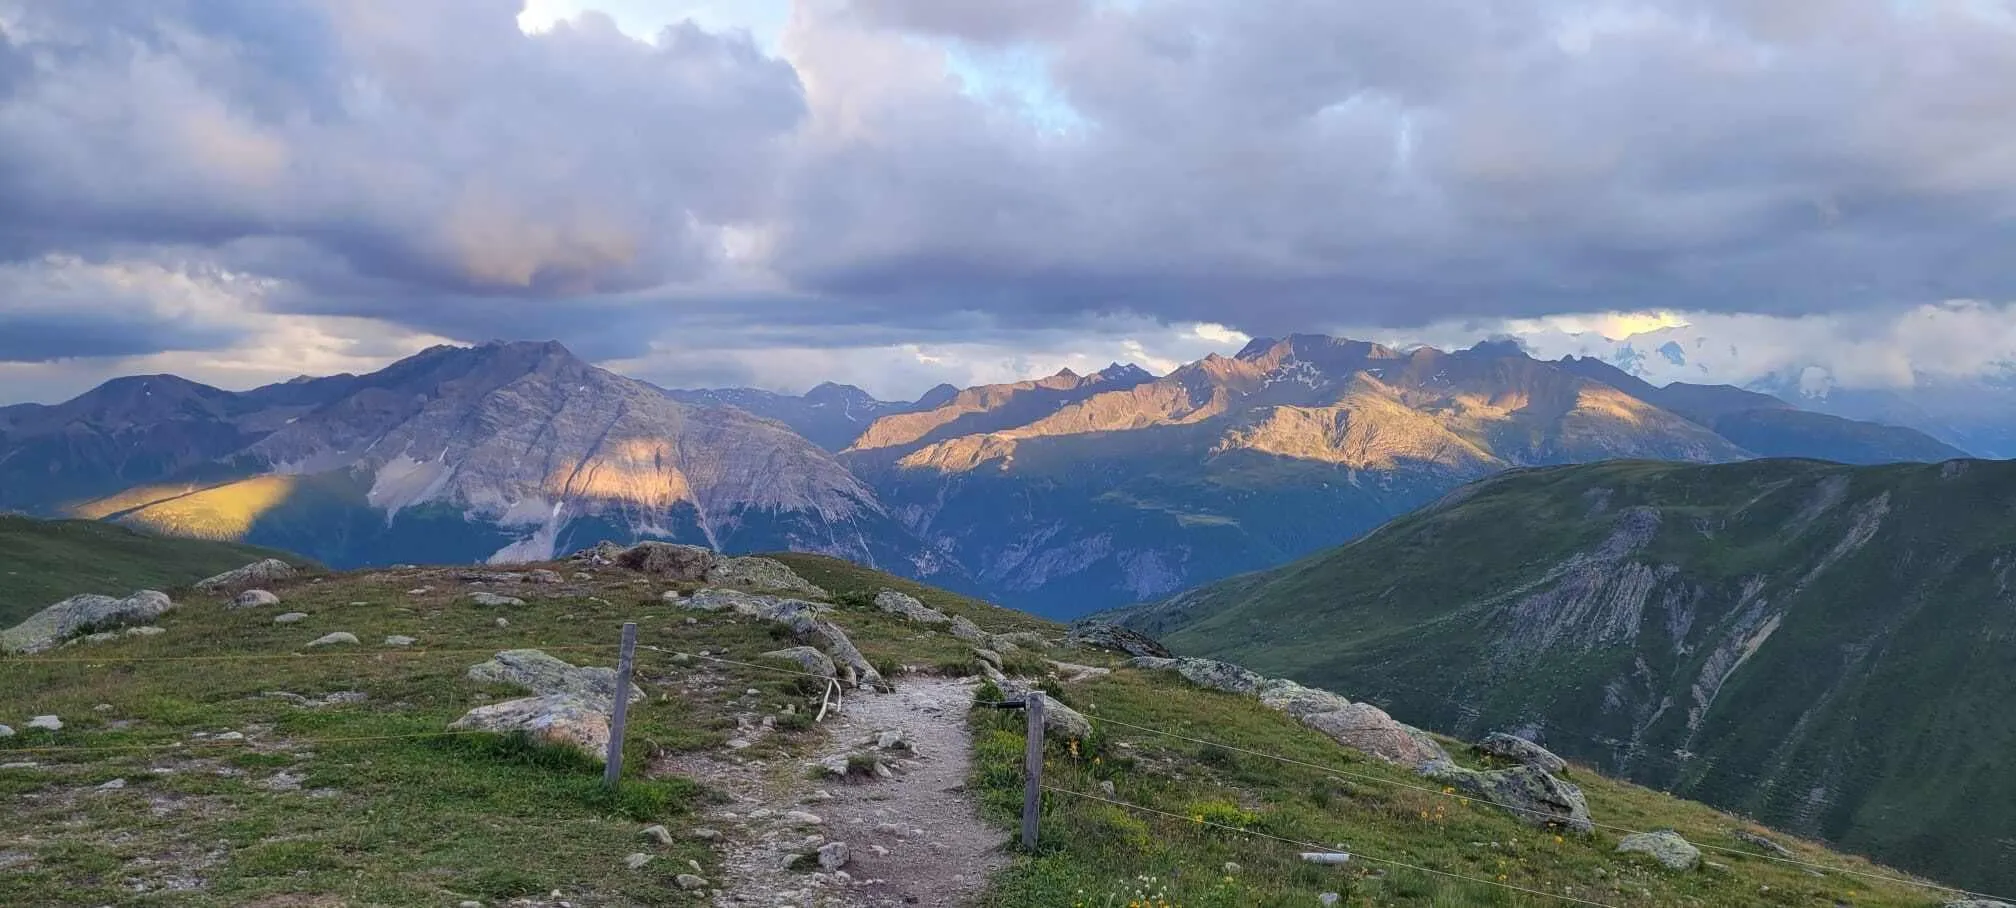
[(80, 615), (1519, 750), (1114, 638), (258, 573)]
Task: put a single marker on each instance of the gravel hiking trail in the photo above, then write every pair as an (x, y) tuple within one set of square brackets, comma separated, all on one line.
[(913, 837)]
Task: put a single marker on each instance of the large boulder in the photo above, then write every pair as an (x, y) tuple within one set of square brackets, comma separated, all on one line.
[(546, 676), (1367, 728), (753, 605), (1298, 701), (1206, 673), (258, 573), (1059, 721), (851, 666), (1114, 638), (1665, 846), (971, 633), (1530, 794), (907, 606), (689, 563), (762, 574), (81, 615), (807, 659), (1519, 750), (558, 719)]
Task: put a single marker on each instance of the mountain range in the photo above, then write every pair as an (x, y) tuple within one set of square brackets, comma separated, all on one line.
[(1060, 495), (1826, 648)]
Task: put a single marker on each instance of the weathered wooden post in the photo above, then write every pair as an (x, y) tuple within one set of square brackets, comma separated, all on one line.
[(1032, 758), (619, 716)]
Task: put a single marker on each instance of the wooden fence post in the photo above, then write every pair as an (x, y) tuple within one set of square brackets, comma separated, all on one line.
[(1032, 758), (619, 716)]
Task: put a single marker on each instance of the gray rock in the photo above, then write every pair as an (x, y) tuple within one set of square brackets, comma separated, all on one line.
[(833, 856), (81, 615), (754, 605), (6, 732), (1024, 639), (258, 573), (546, 676), (689, 882), (254, 599), (1058, 720), (970, 632), (481, 597), (1750, 838), (1535, 797), (289, 618), (334, 639), (113, 785), (558, 719), (806, 659), (1298, 701), (1368, 728), (674, 562), (1114, 638), (762, 574), (853, 667), (1206, 673), (637, 861), (658, 833), (909, 608), (1520, 750), (801, 818), (45, 723), (399, 640), (1665, 846), (543, 575)]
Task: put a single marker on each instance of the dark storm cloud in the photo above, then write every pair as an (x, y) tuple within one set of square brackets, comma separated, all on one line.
[(1272, 166), (42, 337)]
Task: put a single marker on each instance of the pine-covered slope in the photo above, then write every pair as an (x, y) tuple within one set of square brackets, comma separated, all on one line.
[(1831, 649)]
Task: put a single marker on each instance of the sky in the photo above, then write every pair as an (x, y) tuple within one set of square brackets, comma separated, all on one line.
[(898, 193)]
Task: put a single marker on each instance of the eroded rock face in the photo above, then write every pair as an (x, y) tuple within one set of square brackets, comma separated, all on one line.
[(1532, 795), (547, 676), (1665, 846), (1114, 638), (80, 615), (1519, 750), (558, 719), (258, 573)]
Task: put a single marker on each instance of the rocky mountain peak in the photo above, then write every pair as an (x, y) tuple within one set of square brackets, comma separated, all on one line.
[(834, 392)]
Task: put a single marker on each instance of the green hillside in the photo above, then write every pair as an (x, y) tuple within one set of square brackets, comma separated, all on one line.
[(1826, 648), (343, 790), (44, 561)]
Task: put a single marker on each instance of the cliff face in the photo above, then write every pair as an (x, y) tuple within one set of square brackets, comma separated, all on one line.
[(1824, 647)]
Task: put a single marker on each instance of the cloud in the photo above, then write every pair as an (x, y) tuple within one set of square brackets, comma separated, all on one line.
[(966, 176)]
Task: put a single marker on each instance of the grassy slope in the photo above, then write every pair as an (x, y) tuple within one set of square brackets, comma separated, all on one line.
[(1885, 685), (44, 561), (433, 820)]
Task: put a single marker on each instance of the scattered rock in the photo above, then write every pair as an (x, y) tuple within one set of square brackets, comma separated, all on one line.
[(970, 632), (1519, 750), (1665, 846), (1206, 673), (420, 591), (703, 834), (908, 607), (1750, 838), (399, 640), (1023, 639), (258, 573), (801, 818), (807, 659), (762, 573), (637, 861), (833, 856), (113, 785), (1114, 638), (1058, 719), (490, 577), (891, 740), (1533, 796), (481, 597), (503, 622), (658, 833), (546, 676), (556, 719), (690, 882), (80, 615), (289, 618), (543, 575), (254, 599), (333, 639)]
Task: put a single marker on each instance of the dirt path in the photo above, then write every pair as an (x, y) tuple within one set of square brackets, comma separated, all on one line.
[(912, 837)]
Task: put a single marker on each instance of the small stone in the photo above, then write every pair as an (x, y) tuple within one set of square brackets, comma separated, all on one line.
[(1665, 846), (689, 882), (470, 905), (542, 575), (738, 744), (1327, 898), (420, 591), (1231, 867), (399, 640), (503, 622), (482, 598), (230, 736), (113, 785), (890, 740), (833, 856), (801, 818), (703, 833), (637, 861), (338, 637), (659, 834), (288, 618), (46, 723), (880, 851), (1106, 786), (254, 599), (102, 708)]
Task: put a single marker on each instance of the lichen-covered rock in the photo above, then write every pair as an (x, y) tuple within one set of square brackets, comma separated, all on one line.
[(1114, 638), (558, 719), (766, 608), (852, 667), (970, 632), (254, 599), (1665, 846), (80, 615), (907, 606), (1059, 721), (807, 660), (258, 573), (1298, 701), (1519, 750), (1533, 796), (485, 598), (689, 563), (762, 574), (1367, 728), (1206, 673), (544, 675)]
